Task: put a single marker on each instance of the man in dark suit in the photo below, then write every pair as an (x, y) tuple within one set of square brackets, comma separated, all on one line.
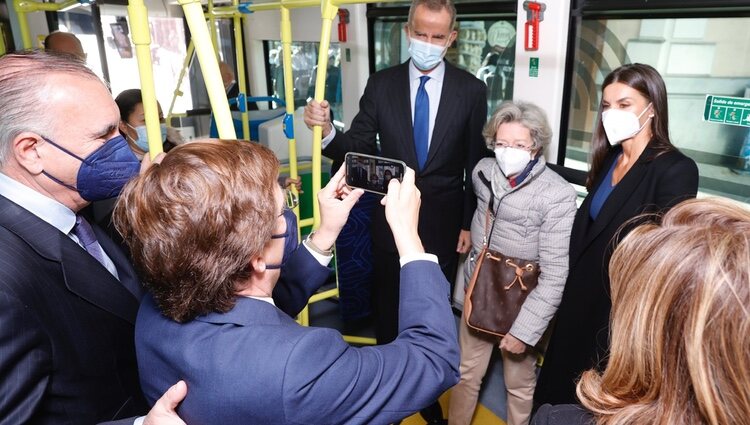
[(434, 125), (68, 296)]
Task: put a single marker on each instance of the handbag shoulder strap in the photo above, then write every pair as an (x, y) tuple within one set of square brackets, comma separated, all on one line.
[(489, 217)]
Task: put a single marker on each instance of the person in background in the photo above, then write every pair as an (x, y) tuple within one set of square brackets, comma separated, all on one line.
[(64, 42), (133, 123), (680, 297), (68, 295), (533, 210), (211, 248), (429, 114), (440, 140), (635, 169)]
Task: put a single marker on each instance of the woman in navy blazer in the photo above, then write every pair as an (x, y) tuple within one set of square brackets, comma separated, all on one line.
[(635, 169), (207, 228)]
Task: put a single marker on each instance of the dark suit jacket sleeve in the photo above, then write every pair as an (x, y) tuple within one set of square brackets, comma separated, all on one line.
[(562, 414), (363, 131), (25, 358), (678, 183), (301, 276), (477, 150), (379, 384), (128, 421)]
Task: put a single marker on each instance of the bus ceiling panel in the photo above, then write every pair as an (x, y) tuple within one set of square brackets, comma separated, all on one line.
[(660, 8)]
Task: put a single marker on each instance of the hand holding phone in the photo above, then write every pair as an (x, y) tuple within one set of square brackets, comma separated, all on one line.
[(372, 173)]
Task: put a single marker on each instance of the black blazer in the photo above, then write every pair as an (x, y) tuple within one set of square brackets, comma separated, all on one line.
[(67, 352), (448, 202), (580, 340)]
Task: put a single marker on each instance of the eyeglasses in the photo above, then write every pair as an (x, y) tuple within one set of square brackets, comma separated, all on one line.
[(516, 145), (291, 199)]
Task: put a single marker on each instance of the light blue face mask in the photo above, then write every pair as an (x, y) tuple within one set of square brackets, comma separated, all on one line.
[(425, 56), (142, 140)]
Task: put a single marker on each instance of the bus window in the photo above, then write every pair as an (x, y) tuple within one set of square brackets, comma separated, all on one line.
[(304, 66), (168, 49), (484, 48), (696, 57)]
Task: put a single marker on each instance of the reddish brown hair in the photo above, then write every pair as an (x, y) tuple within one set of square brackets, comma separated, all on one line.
[(194, 221)]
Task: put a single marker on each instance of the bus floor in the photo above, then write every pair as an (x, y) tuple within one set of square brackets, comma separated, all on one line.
[(491, 407)]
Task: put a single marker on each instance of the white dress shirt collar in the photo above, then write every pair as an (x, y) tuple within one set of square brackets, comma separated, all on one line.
[(436, 74), (49, 210), (266, 299)]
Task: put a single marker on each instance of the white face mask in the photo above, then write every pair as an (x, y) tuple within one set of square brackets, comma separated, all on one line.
[(425, 56), (622, 125), (512, 160)]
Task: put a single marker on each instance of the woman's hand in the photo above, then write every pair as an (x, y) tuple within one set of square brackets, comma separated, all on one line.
[(512, 345), (336, 200)]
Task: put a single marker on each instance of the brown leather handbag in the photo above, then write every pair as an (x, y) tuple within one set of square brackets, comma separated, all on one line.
[(498, 287)]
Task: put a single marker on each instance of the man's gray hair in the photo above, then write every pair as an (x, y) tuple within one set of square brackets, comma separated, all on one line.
[(527, 114), (24, 85), (435, 6)]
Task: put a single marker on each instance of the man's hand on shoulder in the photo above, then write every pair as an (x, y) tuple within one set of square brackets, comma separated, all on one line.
[(163, 412)]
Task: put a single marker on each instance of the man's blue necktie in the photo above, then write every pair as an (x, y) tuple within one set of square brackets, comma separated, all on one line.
[(421, 121), (87, 239)]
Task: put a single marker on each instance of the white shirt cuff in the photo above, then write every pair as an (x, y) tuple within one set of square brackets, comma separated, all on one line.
[(326, 140), (324, 260), (419, 256), (139, 421)]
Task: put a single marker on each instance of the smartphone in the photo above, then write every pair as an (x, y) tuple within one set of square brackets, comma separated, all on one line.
[(372, 173)]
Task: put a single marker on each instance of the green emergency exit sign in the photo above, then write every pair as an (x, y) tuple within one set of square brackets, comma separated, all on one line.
[(533, 67), (727, 110)]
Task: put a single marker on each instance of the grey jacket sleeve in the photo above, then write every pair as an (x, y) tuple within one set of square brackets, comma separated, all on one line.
[(554, 242)]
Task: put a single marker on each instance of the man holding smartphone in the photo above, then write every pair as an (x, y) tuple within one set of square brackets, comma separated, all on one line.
[(428, 114)]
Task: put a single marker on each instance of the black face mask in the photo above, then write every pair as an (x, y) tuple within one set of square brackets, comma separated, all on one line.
[(290, 235)]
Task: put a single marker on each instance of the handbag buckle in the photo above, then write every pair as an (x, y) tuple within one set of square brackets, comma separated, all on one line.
[(519, 273)]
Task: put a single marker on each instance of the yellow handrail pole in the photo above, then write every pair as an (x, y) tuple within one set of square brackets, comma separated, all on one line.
[(141, 35), (23, 7), (240, 60), (286, 48), (212, 27), (210, 67), (2, 42), (23, 24), (286, 45), (177, 91), (33, 6), (289, 4), (328, 11)]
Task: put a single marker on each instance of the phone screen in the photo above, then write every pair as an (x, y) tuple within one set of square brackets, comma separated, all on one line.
[(372, 173)]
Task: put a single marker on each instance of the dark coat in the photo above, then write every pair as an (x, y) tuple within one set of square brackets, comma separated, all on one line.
[(448, 201), (66, 340), (580, 340)]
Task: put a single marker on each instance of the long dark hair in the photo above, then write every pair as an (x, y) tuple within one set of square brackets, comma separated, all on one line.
[(126, 101), (647, 81)]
